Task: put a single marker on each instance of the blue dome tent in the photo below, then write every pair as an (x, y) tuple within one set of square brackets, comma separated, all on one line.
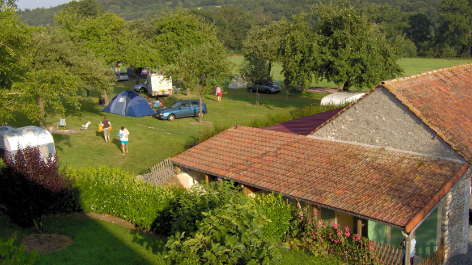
[(129, 103)]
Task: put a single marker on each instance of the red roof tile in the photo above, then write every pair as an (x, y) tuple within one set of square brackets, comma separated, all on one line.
[(305, 125), (443, 100), (378, 184)]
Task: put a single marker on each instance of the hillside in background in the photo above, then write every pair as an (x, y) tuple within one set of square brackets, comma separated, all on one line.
[(269, 9)]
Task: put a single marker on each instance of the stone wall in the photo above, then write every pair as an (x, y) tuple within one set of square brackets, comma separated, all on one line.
[(380, 119), (455, 218)]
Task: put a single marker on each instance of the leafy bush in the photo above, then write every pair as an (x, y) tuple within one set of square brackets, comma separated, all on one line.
[(231, 234), (13, 255), (29, 185), (326, 238), (278, 211), (183, 210), (114, 191)]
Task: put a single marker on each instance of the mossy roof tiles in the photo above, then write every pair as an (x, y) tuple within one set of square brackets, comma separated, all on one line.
[(378, 184)]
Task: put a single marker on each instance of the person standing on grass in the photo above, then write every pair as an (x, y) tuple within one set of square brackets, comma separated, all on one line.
[(106, 128), (218, 93), (123, 134)]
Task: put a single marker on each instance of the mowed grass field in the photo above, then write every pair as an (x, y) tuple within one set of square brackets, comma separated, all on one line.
[(152, 140)]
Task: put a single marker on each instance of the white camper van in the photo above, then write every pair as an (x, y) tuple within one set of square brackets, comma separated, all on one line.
[(340, 98), (12, 138), (158, 85)]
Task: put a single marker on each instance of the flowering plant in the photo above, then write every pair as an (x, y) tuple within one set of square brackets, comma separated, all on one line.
[(322, 237)]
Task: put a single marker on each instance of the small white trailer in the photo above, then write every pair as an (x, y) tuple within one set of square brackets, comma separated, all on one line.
[(340, 98), (158, 85), (12, 138)]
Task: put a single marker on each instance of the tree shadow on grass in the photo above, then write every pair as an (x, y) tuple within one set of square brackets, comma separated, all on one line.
[(60, 140)]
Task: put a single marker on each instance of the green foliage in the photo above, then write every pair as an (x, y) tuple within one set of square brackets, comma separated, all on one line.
[(455, 27), (178, 30), (14, 42), (113, 191), (278, 211), (190, 207), (228, 235), (350, 60), (44, 86), (299, 54), (13, 255), (30, 185), (264, 44), (324, 238), (202, 68)]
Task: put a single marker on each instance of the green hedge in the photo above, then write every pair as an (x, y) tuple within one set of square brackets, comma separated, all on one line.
[(167, 210)]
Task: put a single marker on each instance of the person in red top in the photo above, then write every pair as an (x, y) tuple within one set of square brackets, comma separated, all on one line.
[(218, 93)]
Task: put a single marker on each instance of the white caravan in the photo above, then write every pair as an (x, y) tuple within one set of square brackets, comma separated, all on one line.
[(340, 98), (158, 85), (12, 138)]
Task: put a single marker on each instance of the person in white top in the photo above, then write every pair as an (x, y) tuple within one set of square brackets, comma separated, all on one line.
[(123, 134)]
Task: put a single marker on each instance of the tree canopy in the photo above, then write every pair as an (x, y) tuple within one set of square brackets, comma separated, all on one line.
[(356, 53), (202, 67)]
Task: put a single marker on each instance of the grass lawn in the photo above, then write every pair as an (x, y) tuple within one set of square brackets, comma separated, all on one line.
[(152, 140), (101, 242)]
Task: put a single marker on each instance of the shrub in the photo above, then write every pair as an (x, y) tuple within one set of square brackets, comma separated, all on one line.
[(326, 238), (188, 208), (231, 234), (30, 185), (114, 191), (278, 211), (13, 255)]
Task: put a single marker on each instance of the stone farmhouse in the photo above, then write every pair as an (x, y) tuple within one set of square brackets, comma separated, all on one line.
[(393, 165)]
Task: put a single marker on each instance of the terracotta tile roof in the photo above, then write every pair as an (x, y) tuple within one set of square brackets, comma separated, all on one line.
[(378, 184), (305, 125), (443, 100)]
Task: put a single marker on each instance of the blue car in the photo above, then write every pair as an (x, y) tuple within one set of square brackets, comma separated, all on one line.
[(181, 109)]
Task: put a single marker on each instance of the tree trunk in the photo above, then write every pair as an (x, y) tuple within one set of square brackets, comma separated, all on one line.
[(200, 113), (42, 119), (340, 87), (270, 68), (257, 95), (188, 91), (105, 97), (138, 75)]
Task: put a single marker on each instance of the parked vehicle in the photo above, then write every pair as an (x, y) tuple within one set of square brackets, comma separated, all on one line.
[(268, 88), (122, 76), (12, 138), (158, 85), (340, 98), (141, 87), (181, 109)]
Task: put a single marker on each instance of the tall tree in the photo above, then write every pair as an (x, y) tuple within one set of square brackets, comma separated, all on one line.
[(420, 30), (15, 39), (57, 71), (299, 54), (455, 26), (104, 34), (264, 43), (202, 67), (179, 30), (139, 51), (357, 54)]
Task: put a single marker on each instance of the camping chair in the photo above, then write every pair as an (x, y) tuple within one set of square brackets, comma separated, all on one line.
[(85, 127), (61, 123), (161, 104)]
